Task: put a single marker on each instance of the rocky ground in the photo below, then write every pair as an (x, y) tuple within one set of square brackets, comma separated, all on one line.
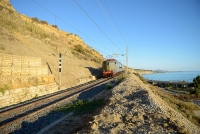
[(131, 108)]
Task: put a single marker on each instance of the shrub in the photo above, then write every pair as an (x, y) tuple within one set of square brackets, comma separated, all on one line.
[(2, 47), (35, 19), (79, 49), (197, 82), (4, 88), (36, 96), (109, 86), (196, 89), (196, 118), (44, 22), (185, 108), (141, 78), (82, 106), (55, 26)]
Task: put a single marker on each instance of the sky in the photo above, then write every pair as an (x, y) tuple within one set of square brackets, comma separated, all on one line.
[(159, 34)]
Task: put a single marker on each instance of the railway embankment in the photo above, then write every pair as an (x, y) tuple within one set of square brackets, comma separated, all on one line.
[(132, 107), (23, 78)]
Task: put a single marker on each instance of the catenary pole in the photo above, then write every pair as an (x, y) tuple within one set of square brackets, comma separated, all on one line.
[(60, 67), (126, 59)]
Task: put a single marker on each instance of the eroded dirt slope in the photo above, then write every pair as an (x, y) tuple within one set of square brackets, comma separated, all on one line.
[(24, 36)]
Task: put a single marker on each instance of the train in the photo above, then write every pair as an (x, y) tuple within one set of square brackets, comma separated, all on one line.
[(111, 67)]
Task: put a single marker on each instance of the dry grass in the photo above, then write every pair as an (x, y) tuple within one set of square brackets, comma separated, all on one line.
[(13, 21), (21, 35), (19, 23), (185, 108), (141, 78)]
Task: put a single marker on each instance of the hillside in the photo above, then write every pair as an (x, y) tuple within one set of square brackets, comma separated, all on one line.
[(142, 71), (23, 36)]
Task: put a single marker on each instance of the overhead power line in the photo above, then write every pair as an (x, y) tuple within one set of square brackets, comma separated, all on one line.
[(96, 24), (108, 20), (70, 25), (115, 22)]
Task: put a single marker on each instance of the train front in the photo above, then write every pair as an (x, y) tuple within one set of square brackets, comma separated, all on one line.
[(108, 67)]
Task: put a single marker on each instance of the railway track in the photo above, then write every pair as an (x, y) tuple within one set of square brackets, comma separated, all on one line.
[(11, 118)]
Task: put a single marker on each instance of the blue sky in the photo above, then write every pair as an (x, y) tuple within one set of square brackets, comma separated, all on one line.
[(160, 34)]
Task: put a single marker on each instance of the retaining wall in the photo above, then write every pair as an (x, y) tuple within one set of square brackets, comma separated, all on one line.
[(23, 71), (15, 96), (25, 81), (15, 60), (87, 79)]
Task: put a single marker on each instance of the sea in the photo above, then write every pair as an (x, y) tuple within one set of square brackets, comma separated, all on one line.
[(187, 76)]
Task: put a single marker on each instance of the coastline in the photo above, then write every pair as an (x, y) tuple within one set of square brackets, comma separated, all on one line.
[(186, 76)]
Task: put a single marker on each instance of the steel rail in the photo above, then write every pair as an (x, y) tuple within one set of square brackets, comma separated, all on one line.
[(31, 111)]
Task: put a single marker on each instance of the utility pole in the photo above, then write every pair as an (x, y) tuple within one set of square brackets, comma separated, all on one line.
[(126, 59), (60, 66)]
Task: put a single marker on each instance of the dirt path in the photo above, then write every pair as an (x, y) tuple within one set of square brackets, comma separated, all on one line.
[(132, 108)]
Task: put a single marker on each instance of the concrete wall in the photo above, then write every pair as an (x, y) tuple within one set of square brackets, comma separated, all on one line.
[(9, 60), (25, 81), (84, 80), (23, 78), (15, 96), (22, 71)]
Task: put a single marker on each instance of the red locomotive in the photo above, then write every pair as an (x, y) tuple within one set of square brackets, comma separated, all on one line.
[(111, 67)]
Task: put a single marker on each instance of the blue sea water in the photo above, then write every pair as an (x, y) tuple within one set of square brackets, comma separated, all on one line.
[(173, 76)]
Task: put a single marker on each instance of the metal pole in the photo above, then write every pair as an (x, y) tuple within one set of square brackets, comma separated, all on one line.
[(60, 66), (126, 59), (60, 78)]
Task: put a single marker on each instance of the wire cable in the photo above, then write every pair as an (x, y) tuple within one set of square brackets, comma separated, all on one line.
[(96, 24), (68, 24), (109, 20), (115, 21)]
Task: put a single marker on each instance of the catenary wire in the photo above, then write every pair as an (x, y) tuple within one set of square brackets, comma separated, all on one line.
[(115, 22), (97, 25), (70, 25), (108, 20)]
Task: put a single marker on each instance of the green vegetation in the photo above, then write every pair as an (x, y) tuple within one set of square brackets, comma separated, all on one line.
[(185, 108), (120, 78), (196, 89), (14, 22), (87, 54), (82, 106), (2, 47), (35, 19), (44, 22), (79, 49), (4, 88), (36, 96), (55, 26), (36, 82), (109, 86), (141, 78), (20, 24)]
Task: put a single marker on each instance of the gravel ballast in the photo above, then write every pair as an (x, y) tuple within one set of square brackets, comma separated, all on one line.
[(131, 107), (134, 108)]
